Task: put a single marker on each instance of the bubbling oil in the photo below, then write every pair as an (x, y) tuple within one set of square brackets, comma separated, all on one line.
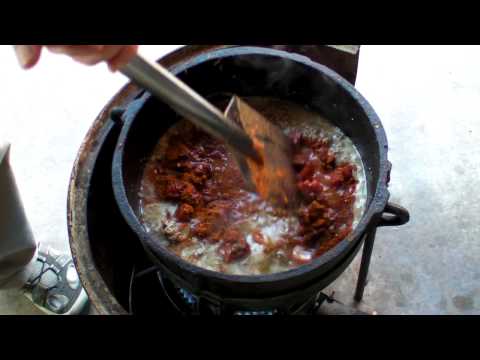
[(158, 217)]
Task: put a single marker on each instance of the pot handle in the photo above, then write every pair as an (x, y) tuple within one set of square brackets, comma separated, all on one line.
[(394, 215), (121, 114)]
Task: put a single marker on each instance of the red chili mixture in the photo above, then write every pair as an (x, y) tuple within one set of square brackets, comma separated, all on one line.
[(197, 173)]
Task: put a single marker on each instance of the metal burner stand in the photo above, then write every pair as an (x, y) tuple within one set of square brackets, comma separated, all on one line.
[(98, 253), (184, 303)]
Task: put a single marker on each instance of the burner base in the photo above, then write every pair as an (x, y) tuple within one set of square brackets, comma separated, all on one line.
[(150, 292), (330, 306)]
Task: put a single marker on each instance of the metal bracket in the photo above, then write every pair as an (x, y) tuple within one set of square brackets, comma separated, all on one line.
[(394, 215)]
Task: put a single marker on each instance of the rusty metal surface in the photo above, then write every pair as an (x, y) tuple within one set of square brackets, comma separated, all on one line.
[(342, 62), (98, 292), (345, 63), (102, 299), (100, 296)]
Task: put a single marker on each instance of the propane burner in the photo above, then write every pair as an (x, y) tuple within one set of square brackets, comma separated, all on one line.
[(149, 286)]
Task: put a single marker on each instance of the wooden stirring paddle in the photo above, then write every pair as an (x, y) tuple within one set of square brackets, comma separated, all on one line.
[(274, 177)]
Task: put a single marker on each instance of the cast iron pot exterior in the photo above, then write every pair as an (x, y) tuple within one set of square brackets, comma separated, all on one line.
[(250, 71)]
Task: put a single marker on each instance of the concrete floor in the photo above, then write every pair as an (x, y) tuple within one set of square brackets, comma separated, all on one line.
[(427, 98)]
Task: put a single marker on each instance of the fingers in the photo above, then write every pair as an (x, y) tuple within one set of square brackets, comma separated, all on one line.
[(28, 55), (85, 54), (114, 55), (123, 57), (75, 50), (93, 57)]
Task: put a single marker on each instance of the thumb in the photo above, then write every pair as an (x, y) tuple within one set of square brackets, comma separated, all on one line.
[(28, 55)]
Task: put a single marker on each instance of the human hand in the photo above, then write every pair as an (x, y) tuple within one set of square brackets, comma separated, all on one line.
[(114, 55)]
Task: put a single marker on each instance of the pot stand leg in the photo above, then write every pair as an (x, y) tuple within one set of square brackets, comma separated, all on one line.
[(365, 264), (398, 216), (330, 306)]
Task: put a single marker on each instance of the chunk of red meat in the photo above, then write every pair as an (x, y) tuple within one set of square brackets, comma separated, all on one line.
[(184, 212), (310, 188), (312, 212), (202, 169), (341, 174), (202, 229), (212, 220), (301, 158), (196, 172), (296, 137), (319, 144), (192, 197), (217, 154), (232, 235), (234, 246), (213, 213), (308, 170), (329, 159), (172, 188), (177, 152), (215, 236)]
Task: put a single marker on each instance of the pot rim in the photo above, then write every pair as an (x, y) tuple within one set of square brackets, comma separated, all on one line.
[(374, 208)]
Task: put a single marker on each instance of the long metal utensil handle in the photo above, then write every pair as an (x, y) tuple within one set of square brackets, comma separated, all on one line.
[(184, 100)]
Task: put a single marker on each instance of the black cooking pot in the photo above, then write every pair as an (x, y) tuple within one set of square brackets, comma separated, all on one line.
[(250, 71)]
